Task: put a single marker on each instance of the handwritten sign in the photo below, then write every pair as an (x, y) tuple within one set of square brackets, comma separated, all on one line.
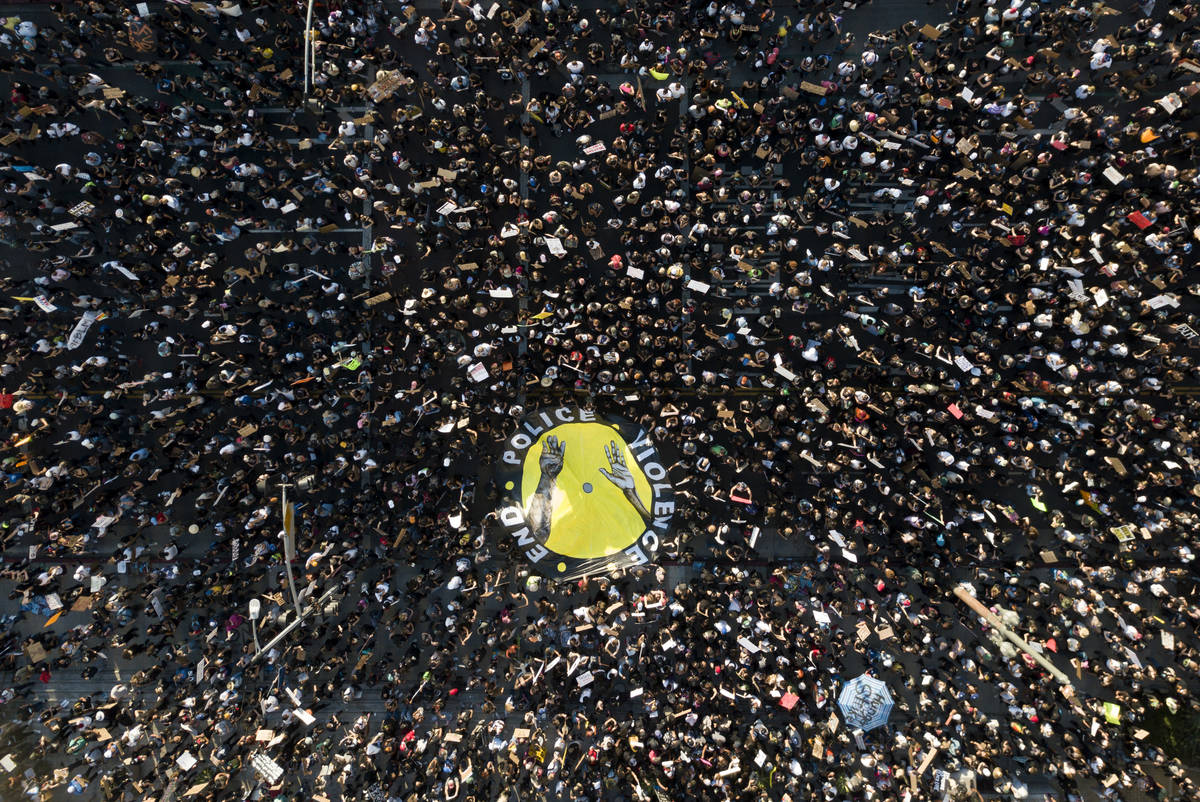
[(81, 329)]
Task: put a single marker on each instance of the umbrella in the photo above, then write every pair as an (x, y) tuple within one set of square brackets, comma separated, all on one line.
[(865, 702)]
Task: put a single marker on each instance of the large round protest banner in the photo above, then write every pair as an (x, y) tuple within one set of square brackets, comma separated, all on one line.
[(584, 492)]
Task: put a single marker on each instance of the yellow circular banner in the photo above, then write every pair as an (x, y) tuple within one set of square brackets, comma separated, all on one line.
[(591, 516), (584, 493)]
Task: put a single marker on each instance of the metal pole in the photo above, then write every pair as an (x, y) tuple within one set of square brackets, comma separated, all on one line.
[(292, 586), (254, 629), (307, 45), (312, 58), (289, 550), (965, 596)]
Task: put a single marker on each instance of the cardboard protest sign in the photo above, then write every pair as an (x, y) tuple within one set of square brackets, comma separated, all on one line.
[(384, 88)]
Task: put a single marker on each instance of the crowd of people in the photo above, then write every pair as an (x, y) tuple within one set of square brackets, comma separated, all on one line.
[(909, 310)]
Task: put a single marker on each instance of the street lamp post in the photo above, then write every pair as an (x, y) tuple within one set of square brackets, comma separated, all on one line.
[(307, 45), (255, 610), (289, 546)]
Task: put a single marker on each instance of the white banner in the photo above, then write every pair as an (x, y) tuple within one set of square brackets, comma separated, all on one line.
[(81, 329)]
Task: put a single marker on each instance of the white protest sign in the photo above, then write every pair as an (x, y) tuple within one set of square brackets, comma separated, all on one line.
[(1171, 103), (44, 304), (556, 247), (102, 523), (748, 645), (81, 329), (478, 372), (734, 767), (698, 286), (635, 272), (501, 292), (821, 617), (186, 761), (963, 363), (1159, 301), (269, 769), (584, 679), (1113, 175), (1101, 297), (596, 148)]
